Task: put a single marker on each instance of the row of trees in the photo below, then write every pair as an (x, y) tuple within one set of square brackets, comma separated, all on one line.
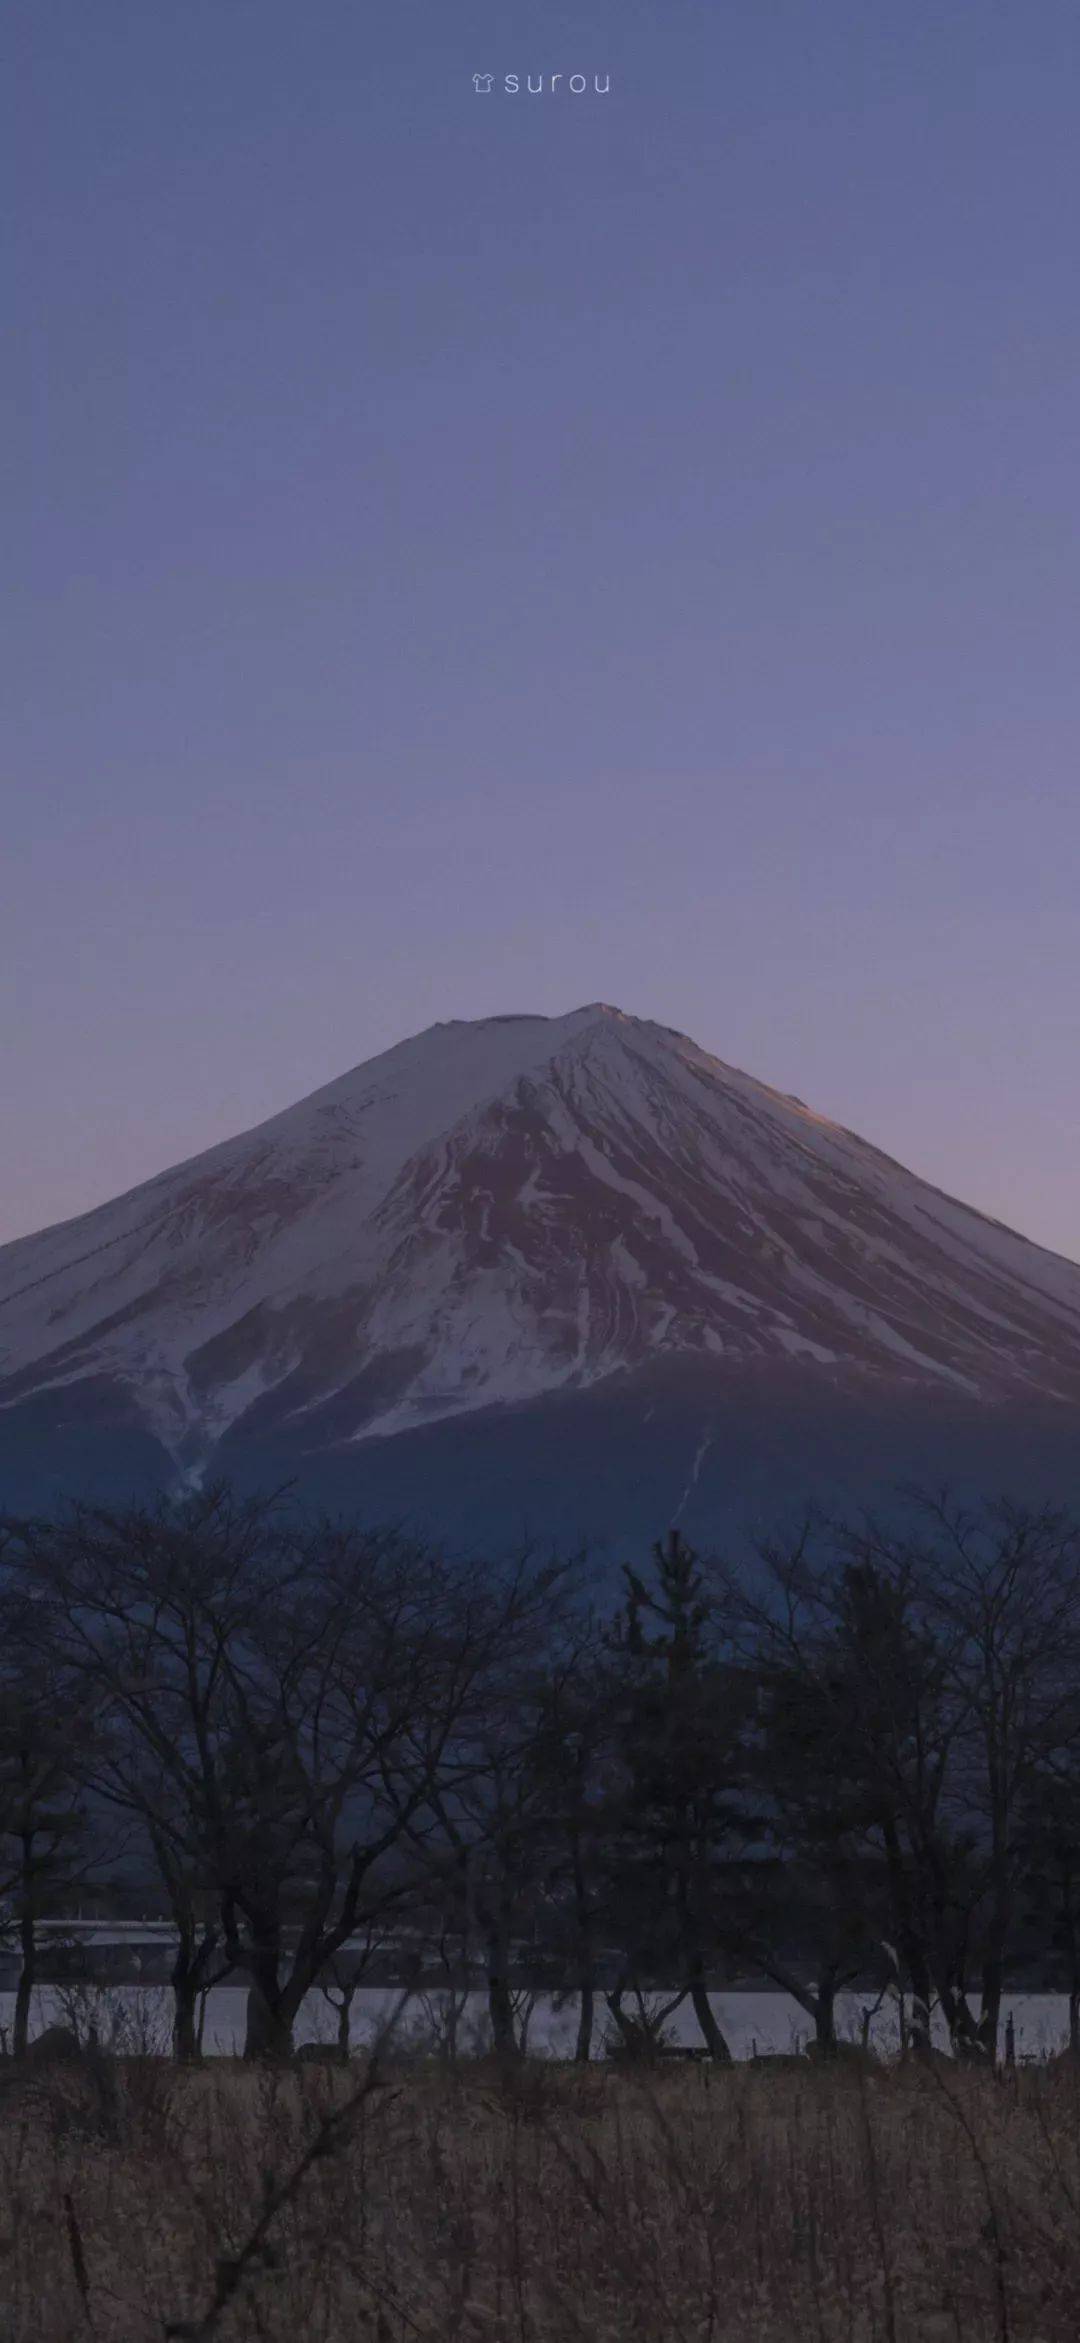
[(857, 1761)]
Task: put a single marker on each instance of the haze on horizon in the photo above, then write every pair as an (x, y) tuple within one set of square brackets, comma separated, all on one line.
[(466, 559)]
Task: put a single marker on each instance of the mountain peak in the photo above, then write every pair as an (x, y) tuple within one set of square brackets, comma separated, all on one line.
[(502, 1209)]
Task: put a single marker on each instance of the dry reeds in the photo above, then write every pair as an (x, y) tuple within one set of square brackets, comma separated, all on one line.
[(539, 2205)]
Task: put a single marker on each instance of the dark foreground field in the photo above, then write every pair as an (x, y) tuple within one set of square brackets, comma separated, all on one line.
[(550, 2207)]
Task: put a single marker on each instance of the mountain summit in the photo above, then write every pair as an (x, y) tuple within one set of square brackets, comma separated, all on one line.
[(497, 1215)]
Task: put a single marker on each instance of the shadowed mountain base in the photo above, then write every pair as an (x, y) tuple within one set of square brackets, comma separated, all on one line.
[(725, 1457)]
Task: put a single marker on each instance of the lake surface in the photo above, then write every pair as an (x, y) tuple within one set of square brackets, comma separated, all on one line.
[(138, 2018)]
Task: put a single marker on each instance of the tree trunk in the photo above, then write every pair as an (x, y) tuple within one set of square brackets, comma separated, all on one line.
[(642, 2034), (586, 1983), (985, 2035), (825, 2017), (989, 2026), (586, 2017), (185, 2027), (965, 2035), (198, 1965), (496, 1919), (909, 1941), (20, 2034), (921, 2043), (711, 2035), (269, 2033), (1072, 1949), (918, 1977), (501, 2012), (625, 2025), (270, 2010)]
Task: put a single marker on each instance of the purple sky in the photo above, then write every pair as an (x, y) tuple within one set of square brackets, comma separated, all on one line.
[(481, 554)]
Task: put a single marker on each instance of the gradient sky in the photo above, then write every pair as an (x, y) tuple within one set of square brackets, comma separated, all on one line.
[(471, 554)]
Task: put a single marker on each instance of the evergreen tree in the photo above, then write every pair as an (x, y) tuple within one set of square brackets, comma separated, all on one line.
[(685, 1827)]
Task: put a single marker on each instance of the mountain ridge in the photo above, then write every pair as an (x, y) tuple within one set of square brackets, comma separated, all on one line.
[(495, 1212)]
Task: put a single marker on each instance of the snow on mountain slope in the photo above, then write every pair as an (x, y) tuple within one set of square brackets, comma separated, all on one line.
[(492, 1212)]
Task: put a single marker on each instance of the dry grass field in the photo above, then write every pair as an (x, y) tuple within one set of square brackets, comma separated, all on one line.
[(323, 2205)]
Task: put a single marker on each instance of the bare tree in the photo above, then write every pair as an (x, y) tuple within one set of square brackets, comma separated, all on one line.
[(575, 1755), (502, 1819), (813, 1910), (1000, 1589), (1050, 1908), (282, 1701), (320, 1736), (144, 1608), (938, 1669), (47, 1840)]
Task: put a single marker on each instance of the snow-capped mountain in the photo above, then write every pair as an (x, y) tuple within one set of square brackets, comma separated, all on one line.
[(494, 1214)]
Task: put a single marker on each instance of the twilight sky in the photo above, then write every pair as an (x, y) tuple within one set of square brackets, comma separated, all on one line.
[(480, 553)]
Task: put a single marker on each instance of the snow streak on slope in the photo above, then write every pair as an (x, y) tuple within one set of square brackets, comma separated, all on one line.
[(492, 1212)]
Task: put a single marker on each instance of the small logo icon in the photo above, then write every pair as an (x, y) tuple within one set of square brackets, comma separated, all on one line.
[(482, 83)]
